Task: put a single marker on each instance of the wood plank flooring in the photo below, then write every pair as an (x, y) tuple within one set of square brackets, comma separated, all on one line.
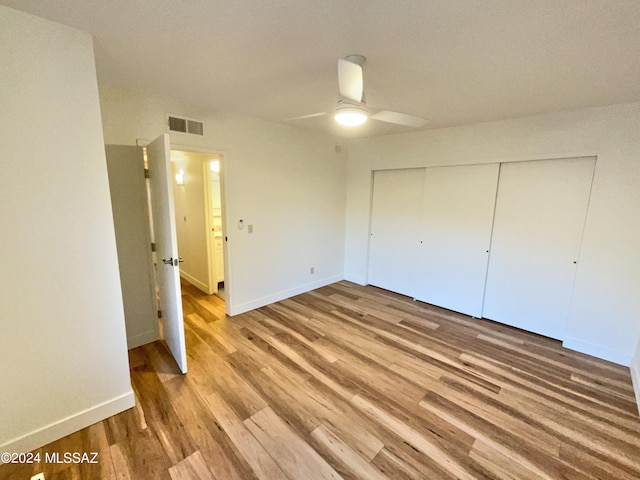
[(358, 383)]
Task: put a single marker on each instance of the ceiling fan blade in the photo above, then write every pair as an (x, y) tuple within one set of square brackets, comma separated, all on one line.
[(350, 80), (311, 115), (399, 118)]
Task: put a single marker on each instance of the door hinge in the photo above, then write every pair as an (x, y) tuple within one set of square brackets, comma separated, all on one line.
[(153, 247), (146, 173), (159, 313)]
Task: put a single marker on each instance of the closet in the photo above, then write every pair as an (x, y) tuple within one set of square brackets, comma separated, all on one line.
[(397, 204), (539, 219), (455, 234), (499, 241)]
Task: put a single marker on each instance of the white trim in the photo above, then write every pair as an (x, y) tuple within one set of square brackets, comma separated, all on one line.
[(635, 379), (276, 297), (197, 149), (597, 351), (69, 425), (484, 160), (194, 281), (355, 279), (208, 228), (143, 338)]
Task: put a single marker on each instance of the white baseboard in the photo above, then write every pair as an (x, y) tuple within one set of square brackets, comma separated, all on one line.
[(61, 428), (276, 297), (355, 279), (143, 338), (194, 281), (597, 351), (635, 378)]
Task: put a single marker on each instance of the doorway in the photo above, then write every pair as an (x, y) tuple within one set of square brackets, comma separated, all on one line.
[(215, 230), (200, 221)]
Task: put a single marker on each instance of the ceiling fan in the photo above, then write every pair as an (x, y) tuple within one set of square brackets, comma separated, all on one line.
[(351, 109)]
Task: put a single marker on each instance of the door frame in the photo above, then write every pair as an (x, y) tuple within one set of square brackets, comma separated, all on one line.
[(226, 250)]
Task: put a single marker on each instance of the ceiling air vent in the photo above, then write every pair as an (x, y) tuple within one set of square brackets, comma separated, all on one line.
[(185, 125)]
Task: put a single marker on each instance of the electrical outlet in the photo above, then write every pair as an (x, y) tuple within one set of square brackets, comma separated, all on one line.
[(312, 270), (39, 476), (249, 228)]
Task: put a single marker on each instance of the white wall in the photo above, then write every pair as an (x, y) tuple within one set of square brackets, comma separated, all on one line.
[(63, 351), (289, 183), (605, 304), (635, 373)]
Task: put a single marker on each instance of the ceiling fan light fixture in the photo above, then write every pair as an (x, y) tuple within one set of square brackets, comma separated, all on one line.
[(351, 116)]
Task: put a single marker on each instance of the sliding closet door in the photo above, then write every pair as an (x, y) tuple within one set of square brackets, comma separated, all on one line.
[(457, 215), (395, 220), (540, 213)]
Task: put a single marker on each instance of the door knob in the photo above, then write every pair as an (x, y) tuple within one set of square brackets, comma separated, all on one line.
[(172, 261)]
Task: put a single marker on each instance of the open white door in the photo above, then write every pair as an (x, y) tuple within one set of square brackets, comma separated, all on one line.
[(125, 165), (164, 227), (213, 224)]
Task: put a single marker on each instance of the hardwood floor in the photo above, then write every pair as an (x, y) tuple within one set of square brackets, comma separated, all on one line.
[(358, 383)]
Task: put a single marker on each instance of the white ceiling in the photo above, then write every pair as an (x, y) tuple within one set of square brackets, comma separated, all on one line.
[(451, 61)]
